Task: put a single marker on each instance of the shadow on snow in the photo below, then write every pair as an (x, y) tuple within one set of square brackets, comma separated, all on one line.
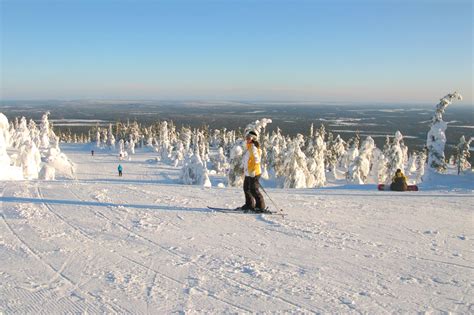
[(98, 204)]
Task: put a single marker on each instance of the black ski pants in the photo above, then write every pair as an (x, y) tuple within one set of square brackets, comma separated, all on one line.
[(253, 196)]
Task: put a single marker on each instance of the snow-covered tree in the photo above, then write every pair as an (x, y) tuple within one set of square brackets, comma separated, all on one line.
[(220, 161), (316, 163), (411, 165), (351, 153), (436, 138), (21, 133), (44, 132), (30, 160), (395, 156), (34, 132), (55, 159), (178, 154), (130, 145), (379, 171), (186, 136), (97, 138), (236, 169), (463, 154), (338, 150), (164, 146), (276, 145), (110, 138), (358, 170), (122, 152), (295, 169), (194, 172), (421, 162), (7, 171)]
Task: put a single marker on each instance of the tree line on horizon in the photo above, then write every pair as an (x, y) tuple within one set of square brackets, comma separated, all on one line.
[(301, 161)]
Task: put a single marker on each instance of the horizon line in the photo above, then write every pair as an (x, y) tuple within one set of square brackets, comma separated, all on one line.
[(210, 100)]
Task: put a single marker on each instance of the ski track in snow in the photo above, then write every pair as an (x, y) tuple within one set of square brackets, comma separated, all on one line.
[(145, 244)]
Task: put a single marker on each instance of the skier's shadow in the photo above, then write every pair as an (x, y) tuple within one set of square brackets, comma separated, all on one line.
[(98, 204)]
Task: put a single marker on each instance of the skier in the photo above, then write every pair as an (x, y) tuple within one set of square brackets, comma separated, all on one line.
[(120, 168), (251, 161), (399, 181), (92, 152)]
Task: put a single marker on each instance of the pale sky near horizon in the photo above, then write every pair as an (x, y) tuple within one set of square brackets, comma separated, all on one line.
[(321, 50)]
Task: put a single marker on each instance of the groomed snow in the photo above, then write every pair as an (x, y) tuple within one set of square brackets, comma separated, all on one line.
[(144, 243)]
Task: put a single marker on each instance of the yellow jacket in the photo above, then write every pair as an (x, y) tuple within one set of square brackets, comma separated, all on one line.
[(251, 160), (397, 176)]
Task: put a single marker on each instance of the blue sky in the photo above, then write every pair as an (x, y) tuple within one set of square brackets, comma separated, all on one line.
[(360, 51)]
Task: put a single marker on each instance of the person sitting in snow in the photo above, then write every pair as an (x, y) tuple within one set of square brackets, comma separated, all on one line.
[(120, 168), (251, 162), (399, 181)]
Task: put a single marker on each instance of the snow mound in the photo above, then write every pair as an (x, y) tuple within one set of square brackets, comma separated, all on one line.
[(63, 166), (448, 182)]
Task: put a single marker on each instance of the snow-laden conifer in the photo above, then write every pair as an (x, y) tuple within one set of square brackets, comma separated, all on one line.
[(351, 153), (30, 160), (358, 170), (54, 158), (295, 166), (97, 138), (216, 138), (395, 156), (164, 146), (178, 154), (378, 171), (463, 154), (21, 134), (7, 170), (220, 161), (274, 154), (34, 132), (130, 145), (316, 161), (44, 132), (420, 165), (121, 148), (236, 169), (186, 136), (110, 138), (338, 150), (194, 172), (436, 138), (264, 159), (104, 138)]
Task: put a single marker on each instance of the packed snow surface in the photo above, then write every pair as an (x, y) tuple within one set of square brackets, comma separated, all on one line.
[(144, 243)]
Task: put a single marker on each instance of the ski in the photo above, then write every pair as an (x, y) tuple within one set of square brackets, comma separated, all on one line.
[(238, 210)]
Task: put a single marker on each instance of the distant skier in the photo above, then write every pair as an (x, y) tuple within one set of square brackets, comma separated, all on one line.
[(92, 152), (251, 162), (120, 168), (399, 181)]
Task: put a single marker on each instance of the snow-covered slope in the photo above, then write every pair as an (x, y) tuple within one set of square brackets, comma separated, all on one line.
[(144, 243)]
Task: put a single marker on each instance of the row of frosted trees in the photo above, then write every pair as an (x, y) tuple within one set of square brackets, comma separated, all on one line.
[(302, 161)]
